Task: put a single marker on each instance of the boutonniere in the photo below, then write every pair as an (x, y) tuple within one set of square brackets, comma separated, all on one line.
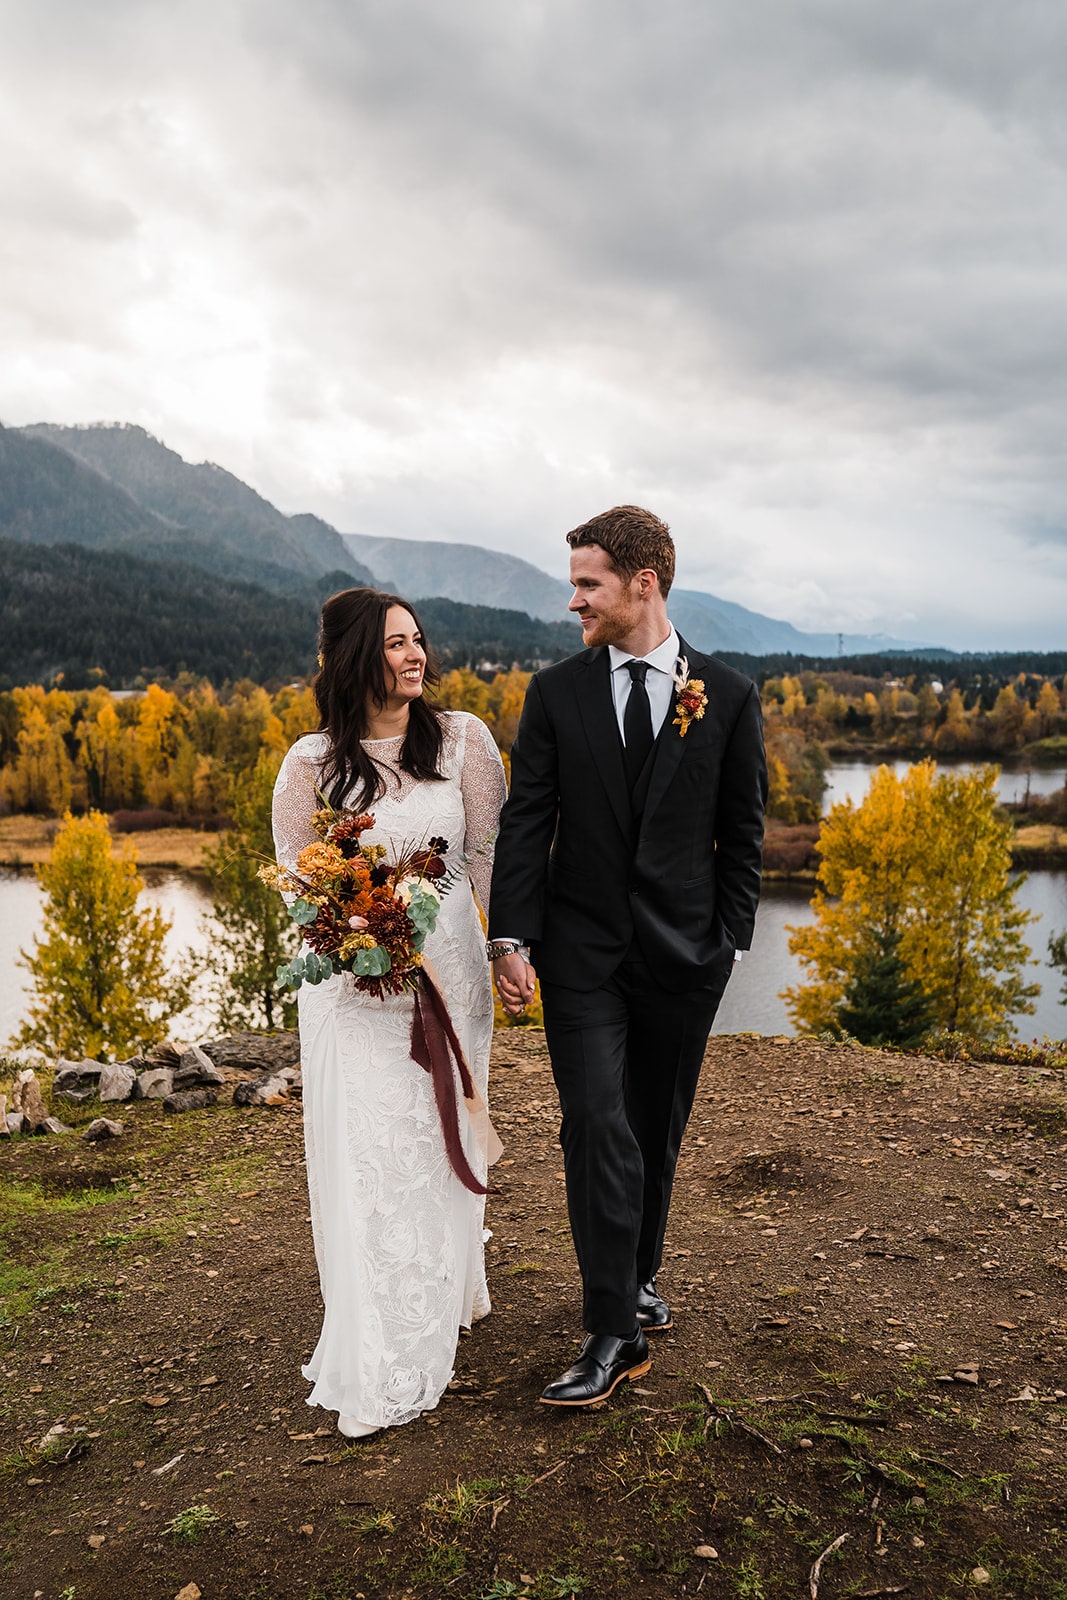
[(692, 701)]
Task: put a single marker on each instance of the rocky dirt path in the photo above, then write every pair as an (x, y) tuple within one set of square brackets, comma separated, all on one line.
[(867, 1262)]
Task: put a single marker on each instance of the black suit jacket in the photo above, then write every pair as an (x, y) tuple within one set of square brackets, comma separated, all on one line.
[(580, 877)]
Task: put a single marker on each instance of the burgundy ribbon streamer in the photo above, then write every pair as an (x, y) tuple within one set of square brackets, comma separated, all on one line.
[(434, 1045)]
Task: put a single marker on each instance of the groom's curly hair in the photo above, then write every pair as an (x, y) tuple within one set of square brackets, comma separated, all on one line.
[(633, 540)]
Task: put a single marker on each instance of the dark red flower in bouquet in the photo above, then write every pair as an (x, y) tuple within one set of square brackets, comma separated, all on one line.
[(345, 833), (325, 934)]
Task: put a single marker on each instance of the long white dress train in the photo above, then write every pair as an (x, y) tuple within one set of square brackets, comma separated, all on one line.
[(398, 1239)]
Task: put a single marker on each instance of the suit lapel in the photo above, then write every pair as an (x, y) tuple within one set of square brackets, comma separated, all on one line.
[(597, 710), (670, 746)]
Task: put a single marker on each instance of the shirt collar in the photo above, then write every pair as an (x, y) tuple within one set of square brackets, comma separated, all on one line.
[(663, 658)]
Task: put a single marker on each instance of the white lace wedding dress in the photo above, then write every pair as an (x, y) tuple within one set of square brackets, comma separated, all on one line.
[(398, 1239)]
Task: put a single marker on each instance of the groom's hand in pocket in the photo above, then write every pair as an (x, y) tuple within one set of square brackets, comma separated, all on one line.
[(515, 979)]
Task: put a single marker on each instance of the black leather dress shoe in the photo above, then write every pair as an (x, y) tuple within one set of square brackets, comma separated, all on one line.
[(653, 1312), (604, 1362)]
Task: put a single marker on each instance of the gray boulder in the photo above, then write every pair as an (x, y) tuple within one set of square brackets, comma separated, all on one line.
[(102, 1128), (196, 1068), (75, 1096), (52, 1125), (16, 1122), (191, 1100), (117, 1081), (154, 1084), (74, 1076)]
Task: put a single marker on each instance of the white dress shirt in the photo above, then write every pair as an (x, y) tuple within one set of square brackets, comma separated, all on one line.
[(659, 680)]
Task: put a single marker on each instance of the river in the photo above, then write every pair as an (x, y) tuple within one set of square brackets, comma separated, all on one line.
[(752, 1001)]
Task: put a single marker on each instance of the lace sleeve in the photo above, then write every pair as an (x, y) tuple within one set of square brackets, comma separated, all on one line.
[(296, 800), (484, 792)]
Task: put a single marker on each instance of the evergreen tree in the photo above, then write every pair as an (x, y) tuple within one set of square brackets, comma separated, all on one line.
[(100, 985), (254, 933), (883, 1005)]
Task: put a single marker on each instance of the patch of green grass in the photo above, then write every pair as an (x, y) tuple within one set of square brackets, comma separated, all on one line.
[(192, 1523), (463, 1503), (748, 1585), (440, 1564), (522, 1269), (379, 1522)]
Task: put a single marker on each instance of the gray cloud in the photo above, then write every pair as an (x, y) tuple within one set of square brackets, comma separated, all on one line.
[(794, 274)]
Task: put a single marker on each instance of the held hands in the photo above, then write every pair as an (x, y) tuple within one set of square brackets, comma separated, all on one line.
[(515, 979)]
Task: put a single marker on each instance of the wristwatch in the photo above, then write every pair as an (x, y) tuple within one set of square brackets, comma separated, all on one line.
[(495, 948)]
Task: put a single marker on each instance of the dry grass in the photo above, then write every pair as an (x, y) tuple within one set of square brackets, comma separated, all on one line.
[(1039, 836), (27, 842)]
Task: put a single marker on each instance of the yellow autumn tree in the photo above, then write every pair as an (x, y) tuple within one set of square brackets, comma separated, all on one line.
[(100, 984), (925, 863)]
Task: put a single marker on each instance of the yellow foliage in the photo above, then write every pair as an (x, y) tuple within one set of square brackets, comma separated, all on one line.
[(926, 858), (100, 987)]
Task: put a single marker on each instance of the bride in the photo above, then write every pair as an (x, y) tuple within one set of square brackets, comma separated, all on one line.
[(398, 1238)]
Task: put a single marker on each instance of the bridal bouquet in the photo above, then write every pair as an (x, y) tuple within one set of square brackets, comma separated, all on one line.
[(368, 915), (361, 912)]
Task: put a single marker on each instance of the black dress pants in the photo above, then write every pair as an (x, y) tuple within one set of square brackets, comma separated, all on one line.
[(626, 1059)]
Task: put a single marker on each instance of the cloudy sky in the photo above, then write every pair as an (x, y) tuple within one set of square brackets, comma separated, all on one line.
[(792, 273)]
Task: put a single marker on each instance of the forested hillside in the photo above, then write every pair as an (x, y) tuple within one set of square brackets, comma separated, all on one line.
[(94, 615)]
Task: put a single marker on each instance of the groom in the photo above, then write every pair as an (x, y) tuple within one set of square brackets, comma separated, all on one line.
[(627, 874)]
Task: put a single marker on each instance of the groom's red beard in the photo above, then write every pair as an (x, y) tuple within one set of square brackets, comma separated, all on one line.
[(608, 628)]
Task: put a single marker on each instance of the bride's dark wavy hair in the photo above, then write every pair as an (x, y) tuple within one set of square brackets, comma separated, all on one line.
[(351, 674)]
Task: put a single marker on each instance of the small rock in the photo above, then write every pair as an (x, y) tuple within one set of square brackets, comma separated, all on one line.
[(706, 1552), (190, 1592), (117, 1081), (26, 1096), (190, 1100), (52, 1125), (95, 1540), (307, 1529), (979, 1575), (164, 1054), (155, 1083), (265, 1091), (805, 1444), (102, 1128), (75, 1096), (54, 1434), (16, 1122)]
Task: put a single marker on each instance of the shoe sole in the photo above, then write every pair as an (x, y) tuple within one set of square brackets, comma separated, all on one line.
[(598, 1399), (657, 1327)]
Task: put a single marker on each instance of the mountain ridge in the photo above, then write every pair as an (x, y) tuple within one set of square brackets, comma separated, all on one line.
[(144, 497)]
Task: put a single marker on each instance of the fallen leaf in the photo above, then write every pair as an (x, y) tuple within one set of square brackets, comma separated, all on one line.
[(1011, 1326), (307, 1529), (157, 1400), (95, 1540), (314, 1461)]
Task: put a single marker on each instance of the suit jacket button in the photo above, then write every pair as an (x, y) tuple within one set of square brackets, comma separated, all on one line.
[(633, 891)]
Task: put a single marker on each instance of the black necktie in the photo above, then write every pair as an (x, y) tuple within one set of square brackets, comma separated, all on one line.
[(637, 722)]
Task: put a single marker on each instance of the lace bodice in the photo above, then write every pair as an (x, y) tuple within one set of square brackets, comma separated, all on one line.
[(468, 752)]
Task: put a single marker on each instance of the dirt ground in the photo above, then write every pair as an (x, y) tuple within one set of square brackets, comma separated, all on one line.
[(867, 1262)]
